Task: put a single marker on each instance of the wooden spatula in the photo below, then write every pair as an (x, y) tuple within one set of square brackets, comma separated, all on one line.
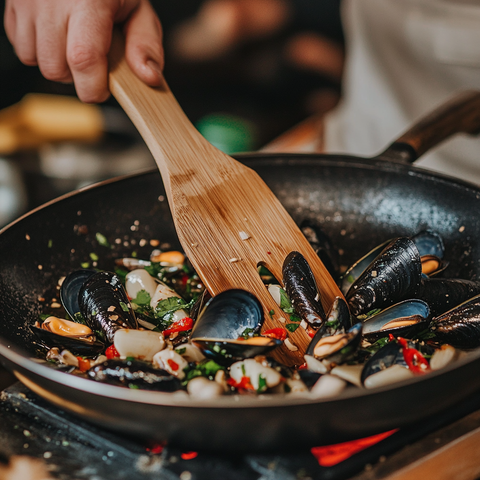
[(228, 221)]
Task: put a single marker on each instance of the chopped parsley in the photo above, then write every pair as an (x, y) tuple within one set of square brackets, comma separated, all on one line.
[(262, 383), (247, 333), (94, 257), (102, 240), (285, 303), (85, 264), (206, 368), (181, 351), (291, 327)]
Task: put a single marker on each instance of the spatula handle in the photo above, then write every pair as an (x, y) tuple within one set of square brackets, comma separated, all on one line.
[(159, 118)]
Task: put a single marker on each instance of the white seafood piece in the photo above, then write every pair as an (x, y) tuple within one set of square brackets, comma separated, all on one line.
[(138, 280), (171, 361), (141, 344), (190, 352), (443, 356), (100, 359), (252, 369), (295, 385), (274, 291), (350, 373), (328, 386), (204, 389), (66, 357), (393, 374), (315, 365), (162, 292), (145, 324)]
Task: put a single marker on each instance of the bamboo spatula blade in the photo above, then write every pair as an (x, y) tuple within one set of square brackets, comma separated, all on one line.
[(227, 219)]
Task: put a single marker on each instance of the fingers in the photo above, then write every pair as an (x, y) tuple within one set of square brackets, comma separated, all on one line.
[(20, 30), (51, 41), (143, 44), (88, 42)]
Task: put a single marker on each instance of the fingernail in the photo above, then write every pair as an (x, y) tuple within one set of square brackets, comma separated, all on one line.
[(155, 66)]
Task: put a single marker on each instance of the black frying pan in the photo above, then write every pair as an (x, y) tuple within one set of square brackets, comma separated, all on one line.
[(359, 203)]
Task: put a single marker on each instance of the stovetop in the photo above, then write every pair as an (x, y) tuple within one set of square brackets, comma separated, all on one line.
[(74, 449)]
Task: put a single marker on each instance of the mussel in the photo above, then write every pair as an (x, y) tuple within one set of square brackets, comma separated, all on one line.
[(134, 374), (104, 304), (302, 289), (393, 276), (460, 326), (336, 349), (403, 319), (65, 334), (70, 290), (223, 324), (443, 294)]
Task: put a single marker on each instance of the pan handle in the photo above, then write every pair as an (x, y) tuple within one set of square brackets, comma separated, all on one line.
[(461, 114)]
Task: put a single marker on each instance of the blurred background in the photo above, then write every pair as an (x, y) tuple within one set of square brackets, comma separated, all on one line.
[(244, 71)]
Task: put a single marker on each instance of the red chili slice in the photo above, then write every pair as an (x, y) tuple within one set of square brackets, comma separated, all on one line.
[(111, 352), (243, 384), (416, 362), (278, 333), (182, 325), (173, 365), (83, 364)]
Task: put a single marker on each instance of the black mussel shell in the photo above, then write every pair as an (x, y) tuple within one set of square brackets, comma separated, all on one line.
[(354, 271), (393, 276), (443, 294), (302, 289), (460, 326), (308, 377), (200, 302), (228, 315), (70, 290), (323, 246), (344, 347), (226, 352), (413, 314), (134, 374), (74, 345), (104, 304), (389, 355)]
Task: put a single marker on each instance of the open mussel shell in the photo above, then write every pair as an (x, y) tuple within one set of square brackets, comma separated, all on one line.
[(443, 294), (302, 289), (353, 272), (228, 315), (104, 304), (225, 352), (70, 289), (134, 374), (224, 320), (460, 326), (404, 319), (77, 346), (429, 242), (393, 276), (336, 349)]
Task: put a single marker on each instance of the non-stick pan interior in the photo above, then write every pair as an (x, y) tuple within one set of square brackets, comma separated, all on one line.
[(357, 203)]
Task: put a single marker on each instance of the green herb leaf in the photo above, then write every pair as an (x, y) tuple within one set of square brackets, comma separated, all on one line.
[(124, 307), (94, 257), (165, 308), (262, 384), (85, 264), (102, 240), (50, 243), (44, 316), (142, 298), (155, 270), (181, 351), (285, 303), (271, 312), (247, 333), (291, 327)]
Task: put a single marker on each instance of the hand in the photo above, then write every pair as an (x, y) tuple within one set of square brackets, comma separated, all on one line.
[(69, 40)]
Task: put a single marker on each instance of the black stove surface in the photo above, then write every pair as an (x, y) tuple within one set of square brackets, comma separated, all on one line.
[(74, 449)]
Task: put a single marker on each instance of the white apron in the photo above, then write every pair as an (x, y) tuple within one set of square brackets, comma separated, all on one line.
[(404, 57)]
